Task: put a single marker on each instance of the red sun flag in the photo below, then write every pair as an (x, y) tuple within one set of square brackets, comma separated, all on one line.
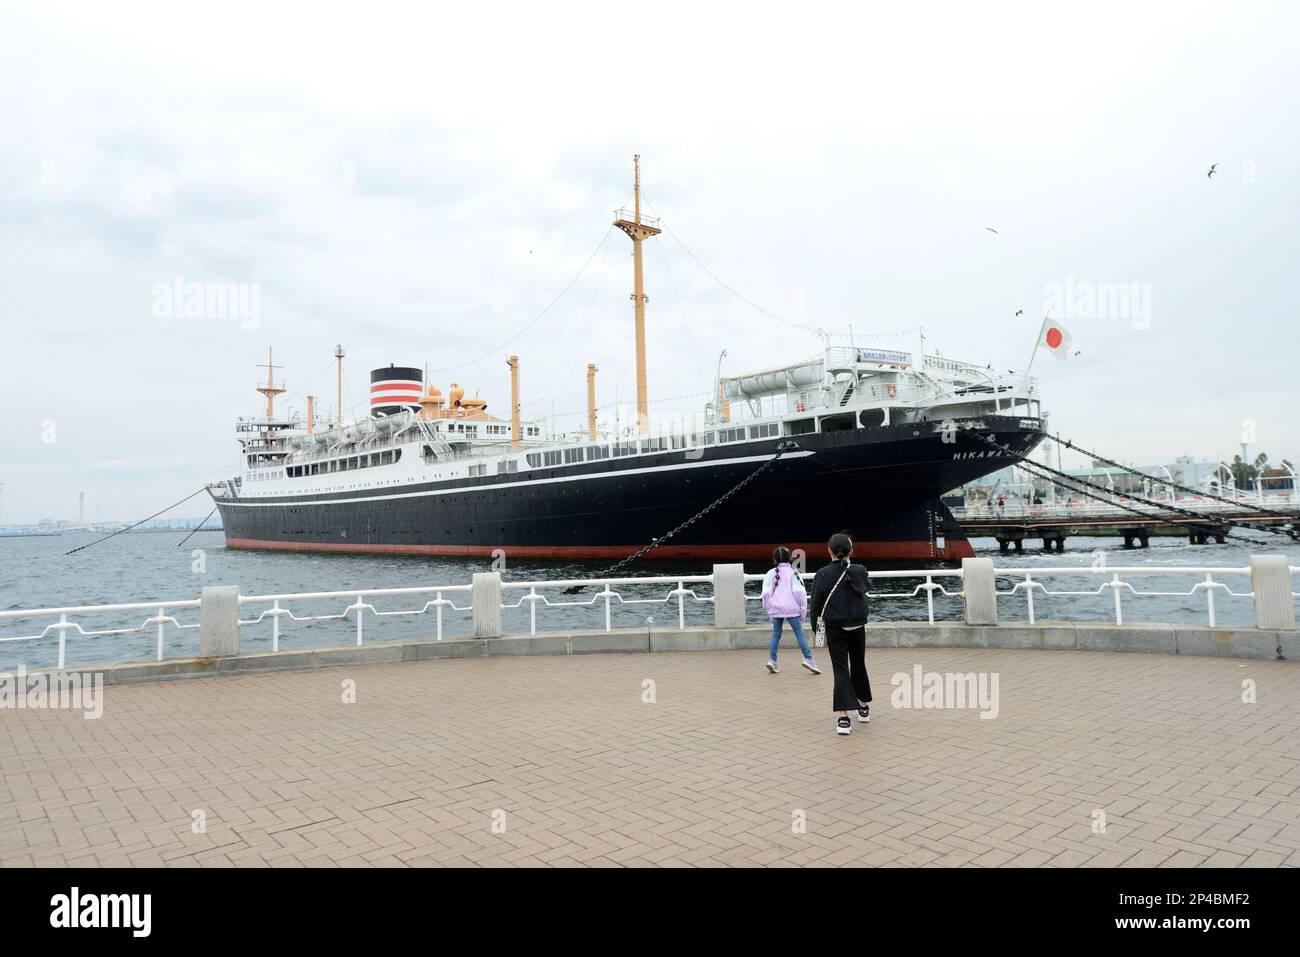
[(1056, 339)]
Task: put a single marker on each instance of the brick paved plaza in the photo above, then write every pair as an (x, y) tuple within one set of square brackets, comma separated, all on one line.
[(717, 771)]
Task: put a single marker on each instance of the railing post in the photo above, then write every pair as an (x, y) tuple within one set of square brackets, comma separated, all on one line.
[(729, 596), (361, 613), (486, 597), (161, 624), (1029, 595), (219, 621), (681, 605), (532, 610), (275, 625), (63, 632), (439, 597), (979, 586), (1270, 580), (1209, 596), (1119, 608)]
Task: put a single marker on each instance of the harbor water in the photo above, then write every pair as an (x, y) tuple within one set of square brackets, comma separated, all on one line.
[(140, 567)]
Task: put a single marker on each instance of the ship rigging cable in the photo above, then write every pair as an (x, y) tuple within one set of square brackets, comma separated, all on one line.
[(538, 318), (819, 332), (781, 448), (1074, 483)]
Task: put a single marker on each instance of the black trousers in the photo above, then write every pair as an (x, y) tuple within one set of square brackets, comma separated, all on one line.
[(848, 648)]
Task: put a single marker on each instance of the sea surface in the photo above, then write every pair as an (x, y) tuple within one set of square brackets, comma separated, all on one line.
[(139, 567)]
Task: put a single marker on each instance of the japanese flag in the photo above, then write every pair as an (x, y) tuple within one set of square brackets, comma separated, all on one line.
[(1055, 339)]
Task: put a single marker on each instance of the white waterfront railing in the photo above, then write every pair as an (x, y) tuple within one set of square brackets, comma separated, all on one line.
[(159, 619), (678, 593), (1028, 586)]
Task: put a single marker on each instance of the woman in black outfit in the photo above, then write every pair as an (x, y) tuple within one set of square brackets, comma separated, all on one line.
[(839, 594)]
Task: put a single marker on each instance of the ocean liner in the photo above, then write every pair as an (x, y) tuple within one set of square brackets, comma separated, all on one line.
[(872, 439)]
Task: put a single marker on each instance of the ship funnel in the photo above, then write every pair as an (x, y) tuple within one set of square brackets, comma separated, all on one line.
[(394, 388), (311, 414)]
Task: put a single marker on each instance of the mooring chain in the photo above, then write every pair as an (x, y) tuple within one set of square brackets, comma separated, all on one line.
[(781, 448), (1030, 465), (1172, 484)]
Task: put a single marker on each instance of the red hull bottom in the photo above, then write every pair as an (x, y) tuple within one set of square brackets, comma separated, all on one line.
[(919, 550)]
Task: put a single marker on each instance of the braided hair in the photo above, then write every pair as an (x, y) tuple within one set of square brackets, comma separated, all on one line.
[(779, 557)]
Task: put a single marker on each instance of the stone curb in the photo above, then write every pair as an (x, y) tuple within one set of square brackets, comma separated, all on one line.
[(1196, 640)]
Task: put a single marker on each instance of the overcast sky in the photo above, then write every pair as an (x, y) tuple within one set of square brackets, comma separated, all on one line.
[(418, 185)]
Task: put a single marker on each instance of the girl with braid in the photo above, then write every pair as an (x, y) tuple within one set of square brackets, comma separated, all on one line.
[(784, 599)]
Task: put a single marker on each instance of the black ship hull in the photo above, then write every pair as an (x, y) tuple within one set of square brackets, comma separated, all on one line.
[(880, 484)]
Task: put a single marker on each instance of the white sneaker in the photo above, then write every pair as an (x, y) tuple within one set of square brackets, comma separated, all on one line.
[(771, 666), (864, 714), (843, 726), (812, 666)]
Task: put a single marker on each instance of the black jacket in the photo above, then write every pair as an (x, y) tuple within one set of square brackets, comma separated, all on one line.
[(848, 604)]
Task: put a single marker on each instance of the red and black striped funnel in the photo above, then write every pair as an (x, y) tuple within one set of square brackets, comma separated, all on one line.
[(394, 389)]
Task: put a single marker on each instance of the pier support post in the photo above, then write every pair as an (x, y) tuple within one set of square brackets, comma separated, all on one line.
[(729, 596), (219, 621), (1270, 580), (980, 587), (486, 597)]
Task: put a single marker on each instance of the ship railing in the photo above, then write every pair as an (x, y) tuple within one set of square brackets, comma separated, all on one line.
[(629, 216), (932, 595)]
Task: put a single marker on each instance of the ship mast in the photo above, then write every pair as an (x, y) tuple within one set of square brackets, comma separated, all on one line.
[(638, 231), (269, 390), (338, 356)]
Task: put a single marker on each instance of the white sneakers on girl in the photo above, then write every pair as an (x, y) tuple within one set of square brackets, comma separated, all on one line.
[(771, 666), (811, 666), (843, 726)]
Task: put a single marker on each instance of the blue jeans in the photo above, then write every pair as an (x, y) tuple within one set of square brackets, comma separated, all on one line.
[(797, 627)]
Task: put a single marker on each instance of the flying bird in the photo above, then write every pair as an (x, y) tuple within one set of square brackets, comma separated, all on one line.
[(1078, 352), (990, 229), (1213, 167), (1020, 312)]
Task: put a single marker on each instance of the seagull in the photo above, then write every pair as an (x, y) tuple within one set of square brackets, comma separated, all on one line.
[(990, 229), (1078, 352), (1212, 169), (1020, 312)]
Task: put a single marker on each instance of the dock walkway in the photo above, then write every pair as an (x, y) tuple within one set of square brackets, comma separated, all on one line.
[(1094, 759)]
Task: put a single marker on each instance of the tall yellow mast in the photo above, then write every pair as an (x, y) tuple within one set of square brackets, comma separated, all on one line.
[(638, 230), (269, 390)]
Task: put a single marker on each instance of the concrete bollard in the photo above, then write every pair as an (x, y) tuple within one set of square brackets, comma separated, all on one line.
[(729, 596), (219, 621), (980, 587), (1270, 580), (486, 596)]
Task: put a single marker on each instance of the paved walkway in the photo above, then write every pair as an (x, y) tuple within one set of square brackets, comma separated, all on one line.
[(720, 769)]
